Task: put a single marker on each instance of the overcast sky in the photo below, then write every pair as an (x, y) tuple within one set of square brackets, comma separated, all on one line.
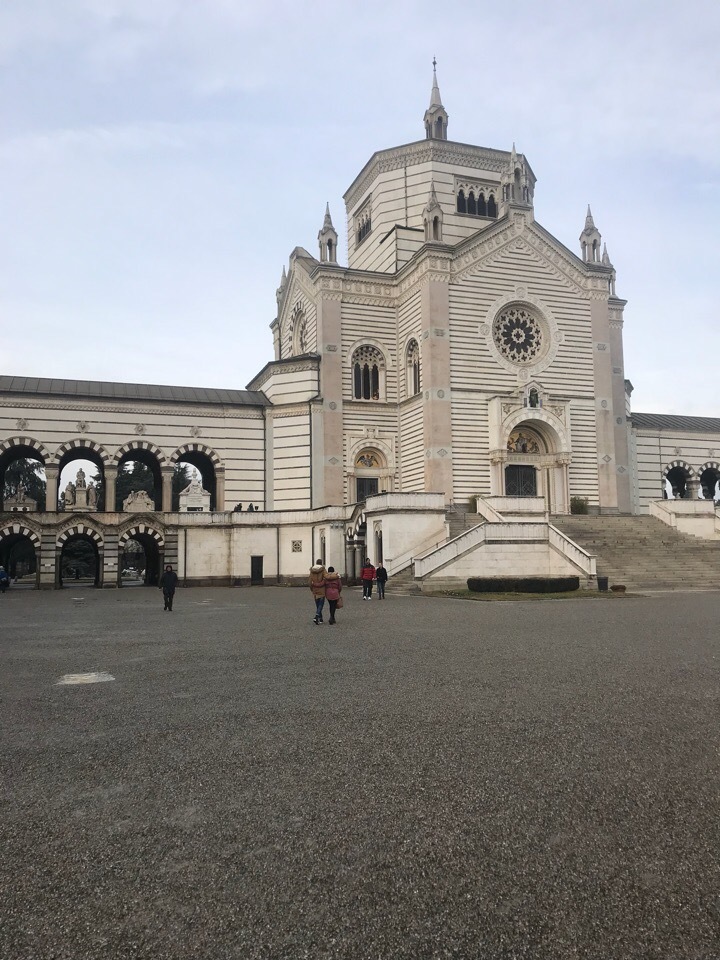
[(160, 159)]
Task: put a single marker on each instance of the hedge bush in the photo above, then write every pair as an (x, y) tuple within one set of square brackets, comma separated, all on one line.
[(523, 584)]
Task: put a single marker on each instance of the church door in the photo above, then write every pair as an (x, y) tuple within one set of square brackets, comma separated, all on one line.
[(520, 481), (366, 487)]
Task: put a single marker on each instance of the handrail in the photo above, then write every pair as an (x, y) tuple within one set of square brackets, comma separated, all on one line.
[(580, 558), (396, 564)]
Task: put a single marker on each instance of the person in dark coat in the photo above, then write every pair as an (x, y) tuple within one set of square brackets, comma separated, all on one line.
[(168, 583), (4, 580), (381, 576)]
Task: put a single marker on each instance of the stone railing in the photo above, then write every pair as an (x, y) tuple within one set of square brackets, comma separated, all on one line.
[(395, 565), (579, 558), (699, 518), (516, 532)]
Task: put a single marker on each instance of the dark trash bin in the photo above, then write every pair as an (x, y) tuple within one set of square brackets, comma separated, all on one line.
[(603, 584)]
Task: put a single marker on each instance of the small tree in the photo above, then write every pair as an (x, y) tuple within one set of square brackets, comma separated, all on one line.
[(579, 505), (28, 473)]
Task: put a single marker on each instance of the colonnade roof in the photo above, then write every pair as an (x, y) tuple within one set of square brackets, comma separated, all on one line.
[(130, 391), (668, 421)]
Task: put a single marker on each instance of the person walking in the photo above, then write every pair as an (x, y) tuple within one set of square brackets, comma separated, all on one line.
[(4, 580), (317, 588), (168, 583), (367, 576), (333, 589), (381, 575)]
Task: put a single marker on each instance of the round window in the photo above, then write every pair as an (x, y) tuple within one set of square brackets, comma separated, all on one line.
[(518, 335)]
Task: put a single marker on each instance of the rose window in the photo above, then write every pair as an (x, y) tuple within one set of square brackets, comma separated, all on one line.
[(518, 335)]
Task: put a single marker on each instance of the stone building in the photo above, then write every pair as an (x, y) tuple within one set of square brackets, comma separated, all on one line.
[(464, 355)]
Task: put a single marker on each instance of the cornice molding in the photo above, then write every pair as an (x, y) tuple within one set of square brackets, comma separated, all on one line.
[(70, 405)]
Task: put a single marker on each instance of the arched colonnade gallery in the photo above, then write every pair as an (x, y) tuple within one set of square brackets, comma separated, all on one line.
[(109, 464), (84, 552)]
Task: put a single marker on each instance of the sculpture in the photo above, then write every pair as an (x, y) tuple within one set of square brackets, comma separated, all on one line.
[(92, 496), (80, 479), (70, 495), (21, 492)]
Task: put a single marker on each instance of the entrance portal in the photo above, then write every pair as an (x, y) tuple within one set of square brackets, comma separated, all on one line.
[(520, 481), (18, 554), (79, 561), (140, 561)]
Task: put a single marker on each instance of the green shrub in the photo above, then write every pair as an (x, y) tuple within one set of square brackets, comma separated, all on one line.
[(578, 505), (523, 584)]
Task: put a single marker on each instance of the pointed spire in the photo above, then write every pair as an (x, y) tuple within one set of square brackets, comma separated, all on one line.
[(605, 256), (436, 118), (589, 222), (328, 238), (433, 196), (327, 222), (435, 99), (283, 279)]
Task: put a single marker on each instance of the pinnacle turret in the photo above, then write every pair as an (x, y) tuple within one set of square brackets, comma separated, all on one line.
[(590, 240), (328, 238), (436, 118)]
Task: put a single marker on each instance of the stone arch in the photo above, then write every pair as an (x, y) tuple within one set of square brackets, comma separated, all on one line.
[(550, 427), (141, 529), (43, 453), (196, 448), (78, 445), (21, 529), (682, 465), (145, 445), (680, 477), (374, 476), (79, 529), (12, 536), (707, 473), (211, 467), (547, 468), (17, 448)]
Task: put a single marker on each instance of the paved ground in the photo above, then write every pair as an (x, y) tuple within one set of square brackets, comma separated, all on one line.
[(428, 779)]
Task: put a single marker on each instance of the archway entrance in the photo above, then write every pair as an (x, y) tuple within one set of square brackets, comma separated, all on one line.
[(533, 463), (19, 555), (141, 559), (369, 475), (79, 562)]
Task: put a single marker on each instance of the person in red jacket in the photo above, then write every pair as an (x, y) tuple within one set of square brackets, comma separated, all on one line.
[(367, 576)]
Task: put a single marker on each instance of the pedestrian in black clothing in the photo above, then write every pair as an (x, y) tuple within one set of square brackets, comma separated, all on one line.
[(168, 582), (381, 575)]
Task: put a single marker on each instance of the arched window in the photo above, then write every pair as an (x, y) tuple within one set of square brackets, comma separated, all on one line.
[(471, 205), (412, 368), (491, 207), (461, 203), (436, 228), (368, 368), (481, 206)]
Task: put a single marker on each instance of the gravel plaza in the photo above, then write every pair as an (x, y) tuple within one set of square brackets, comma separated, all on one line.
[(430, 778)]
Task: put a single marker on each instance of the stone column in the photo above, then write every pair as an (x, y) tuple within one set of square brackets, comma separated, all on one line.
[(435, 354), (328, 456), (110, 488), (220, 488), (692, 491), (52, 474), (167, 479)]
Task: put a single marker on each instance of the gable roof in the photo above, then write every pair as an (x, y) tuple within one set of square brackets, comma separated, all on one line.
[(107, 390), (669, 421)]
